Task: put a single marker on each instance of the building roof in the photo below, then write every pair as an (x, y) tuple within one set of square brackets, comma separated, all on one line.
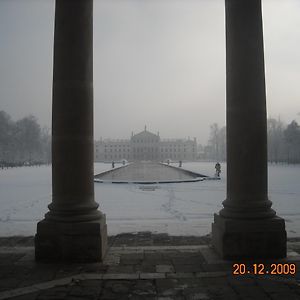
[(145, 134)]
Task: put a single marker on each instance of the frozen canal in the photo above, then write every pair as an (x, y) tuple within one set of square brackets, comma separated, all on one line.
[(142, 172), (175, 208)]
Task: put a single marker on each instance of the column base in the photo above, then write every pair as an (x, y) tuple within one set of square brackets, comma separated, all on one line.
[(249, 239), (73, 242)]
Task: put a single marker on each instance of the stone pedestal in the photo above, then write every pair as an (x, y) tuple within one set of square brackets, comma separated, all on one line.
[(249, 239), (73, 242), (247, 226)]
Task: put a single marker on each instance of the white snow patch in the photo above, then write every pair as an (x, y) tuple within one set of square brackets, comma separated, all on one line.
[(175, 208)]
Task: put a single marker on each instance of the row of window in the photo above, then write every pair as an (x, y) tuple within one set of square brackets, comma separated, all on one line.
[(121, 156), (128, 146), (144, 150), (145, 141), (115, 150), (117, 145)]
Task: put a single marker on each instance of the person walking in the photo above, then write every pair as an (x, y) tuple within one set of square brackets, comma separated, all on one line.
[(218, 169)]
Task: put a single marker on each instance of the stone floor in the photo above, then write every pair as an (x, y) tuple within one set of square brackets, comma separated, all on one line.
[(143, 266), (147, 172)]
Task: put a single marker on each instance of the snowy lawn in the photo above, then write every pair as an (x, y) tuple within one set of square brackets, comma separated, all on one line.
[(176, 208)]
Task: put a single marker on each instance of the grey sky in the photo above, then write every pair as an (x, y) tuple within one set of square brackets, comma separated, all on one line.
[(160, 63)]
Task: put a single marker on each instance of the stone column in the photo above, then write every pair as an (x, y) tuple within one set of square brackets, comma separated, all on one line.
[(73, 229), (246, 226)]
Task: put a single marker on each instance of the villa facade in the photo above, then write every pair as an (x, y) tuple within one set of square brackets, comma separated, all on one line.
[(145, 146)]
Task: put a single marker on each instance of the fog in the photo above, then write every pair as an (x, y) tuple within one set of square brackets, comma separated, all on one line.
[(156, 63)]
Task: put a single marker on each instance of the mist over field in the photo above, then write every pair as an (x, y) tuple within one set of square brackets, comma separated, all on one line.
[(156, 63)]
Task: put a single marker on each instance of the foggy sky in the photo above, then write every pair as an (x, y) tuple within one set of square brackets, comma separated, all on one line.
[(158, 63)]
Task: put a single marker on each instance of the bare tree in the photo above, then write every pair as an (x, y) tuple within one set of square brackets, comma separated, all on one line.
[(276, 145), (292, 138)]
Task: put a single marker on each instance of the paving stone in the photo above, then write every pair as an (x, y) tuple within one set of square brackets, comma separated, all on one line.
[(224, 266), (32, 296), (281, 296), (180, 275), (210, 274), (145, 276), (145, 268), (10, 258), (94, 268), (170, 254), (89, 292), (144, 287), (112, 260), (187, 268), (221, 292), (119, 286), (152, 275), (241, 280), (215, 281), (15, 271), (8, 283), (39, 277), (295, 288), (74, 298), (121, 269), (177, 297), (116, 276), (129, 261), (167, 287), (153, 255), (251, 292), (90, 283), (277, 287), (164, 268), (142, 297), (108, 295), (188, 260), (196, 293), (158, 261), (53, 293), (136, 255), (210, 267)]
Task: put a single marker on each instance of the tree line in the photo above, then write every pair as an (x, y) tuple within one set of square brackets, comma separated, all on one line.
[(283, 142), (23, 142)]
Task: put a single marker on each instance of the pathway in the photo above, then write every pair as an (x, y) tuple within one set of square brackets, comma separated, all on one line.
[(141, 266)]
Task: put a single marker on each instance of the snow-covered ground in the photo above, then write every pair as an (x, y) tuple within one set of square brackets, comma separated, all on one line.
[(175, 208)]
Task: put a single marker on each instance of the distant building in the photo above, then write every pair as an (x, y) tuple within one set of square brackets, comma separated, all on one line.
[(145, 146)]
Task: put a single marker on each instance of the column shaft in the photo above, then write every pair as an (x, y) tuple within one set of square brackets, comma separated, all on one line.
[(72, 113), (247, 180)]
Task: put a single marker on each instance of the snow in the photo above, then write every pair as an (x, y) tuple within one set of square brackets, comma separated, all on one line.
[(175, 208)]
